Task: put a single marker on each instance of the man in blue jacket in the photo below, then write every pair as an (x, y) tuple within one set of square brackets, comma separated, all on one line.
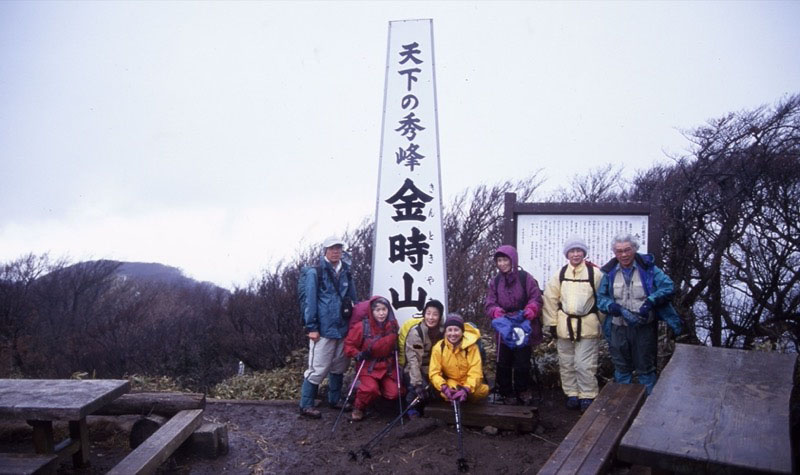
[(634, 294), (326, 326)]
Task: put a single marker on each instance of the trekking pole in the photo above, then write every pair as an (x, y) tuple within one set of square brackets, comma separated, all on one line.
[(349, 393), (399, 399), (462, 461), (364, 449)]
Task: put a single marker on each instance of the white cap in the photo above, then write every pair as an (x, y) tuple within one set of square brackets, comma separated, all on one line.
[(332, 241)]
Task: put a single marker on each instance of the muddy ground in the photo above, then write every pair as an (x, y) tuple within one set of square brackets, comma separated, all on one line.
[(270, 437)]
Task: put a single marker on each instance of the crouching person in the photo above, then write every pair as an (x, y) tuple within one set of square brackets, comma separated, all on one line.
[(455, 369), (372, 342), (421, 338)]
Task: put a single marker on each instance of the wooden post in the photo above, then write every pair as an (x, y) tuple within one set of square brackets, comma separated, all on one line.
[(42, 436), (78, 431)]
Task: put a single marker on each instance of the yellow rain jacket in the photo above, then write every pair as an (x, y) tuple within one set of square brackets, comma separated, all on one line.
[(459, 366)]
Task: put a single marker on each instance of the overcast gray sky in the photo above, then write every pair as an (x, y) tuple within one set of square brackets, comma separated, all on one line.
[(223, 137)]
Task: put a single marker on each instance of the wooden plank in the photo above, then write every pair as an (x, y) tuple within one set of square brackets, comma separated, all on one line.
[(159, 446), (602, 454), (716, 409), (518, 418), (589, 446), (57, 399), (161, 403), (27, 464)]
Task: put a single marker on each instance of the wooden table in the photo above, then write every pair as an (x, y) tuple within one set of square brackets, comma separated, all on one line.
[(716, 410), (42, 401)]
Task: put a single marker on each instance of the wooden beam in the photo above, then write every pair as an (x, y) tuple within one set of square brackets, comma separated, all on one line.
[(27, 464), (518, 418), (162, 403), (159, 446), (590, 445)]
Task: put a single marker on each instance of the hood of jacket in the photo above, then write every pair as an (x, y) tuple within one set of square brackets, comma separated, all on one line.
[(389, 324), (511, 252), (470, 337)]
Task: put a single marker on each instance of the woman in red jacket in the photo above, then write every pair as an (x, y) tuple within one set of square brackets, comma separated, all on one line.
[(373, 341)]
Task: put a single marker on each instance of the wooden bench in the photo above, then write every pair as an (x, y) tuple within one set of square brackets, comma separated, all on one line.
[(25, 464), (517, 418), (590, 445), (716, 410), (159, 446)]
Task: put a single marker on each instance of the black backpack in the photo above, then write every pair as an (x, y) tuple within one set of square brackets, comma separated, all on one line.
[(562, 276)]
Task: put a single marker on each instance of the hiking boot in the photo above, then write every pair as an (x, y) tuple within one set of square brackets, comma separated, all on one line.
[(509, 400), (572, 403), (585, 403), (413, 415), (338, 406), (356, 415), (310, 412), (526, 398)]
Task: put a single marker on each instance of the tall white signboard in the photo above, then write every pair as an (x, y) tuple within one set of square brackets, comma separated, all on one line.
[(541, 238), (408, 264)]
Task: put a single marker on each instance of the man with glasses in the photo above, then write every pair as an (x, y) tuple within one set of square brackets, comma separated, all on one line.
[(634, 294), (328, 287)]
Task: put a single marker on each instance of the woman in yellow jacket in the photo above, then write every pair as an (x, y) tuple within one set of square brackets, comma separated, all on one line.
[(455, 368)]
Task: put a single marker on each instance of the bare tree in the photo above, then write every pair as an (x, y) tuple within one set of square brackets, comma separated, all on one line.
[(603, 184), (731, 210)]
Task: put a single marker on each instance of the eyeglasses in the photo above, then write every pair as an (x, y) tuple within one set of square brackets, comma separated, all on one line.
[(619, 252)]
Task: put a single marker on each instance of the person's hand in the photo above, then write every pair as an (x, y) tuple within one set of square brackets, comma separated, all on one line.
[(498, 312), (447, 391), (313, 336), (615, 309), (460, 395), (644, 310), (632, 319), (528, 314), (553, 332), (422, 393), (362, 355)]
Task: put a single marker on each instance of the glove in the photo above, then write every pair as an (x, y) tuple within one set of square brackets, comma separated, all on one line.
[(447, 391), (631, 318), (460, 395), (615, 309), (528, 314), (644, 310), (363, 355), (498, 312), (553, 332), (421, 392)]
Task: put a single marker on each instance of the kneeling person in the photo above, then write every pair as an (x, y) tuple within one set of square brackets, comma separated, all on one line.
[(455, 368), (419, 342), (373, 342)]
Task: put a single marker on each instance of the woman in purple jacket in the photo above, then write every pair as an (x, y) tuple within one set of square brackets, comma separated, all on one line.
[(511, 291)]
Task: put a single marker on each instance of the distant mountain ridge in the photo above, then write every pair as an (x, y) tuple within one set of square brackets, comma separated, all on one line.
[(154, 272), (148, 272)]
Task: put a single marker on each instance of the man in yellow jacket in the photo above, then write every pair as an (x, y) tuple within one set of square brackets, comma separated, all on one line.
[(455, 369), (570, 311)]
